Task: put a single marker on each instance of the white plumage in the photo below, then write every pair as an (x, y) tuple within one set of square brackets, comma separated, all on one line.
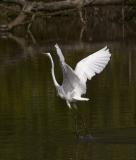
[(94, 63), (74, 81)]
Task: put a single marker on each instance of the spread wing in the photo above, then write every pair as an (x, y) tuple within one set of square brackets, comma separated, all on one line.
[(93, 64), (70, 79)]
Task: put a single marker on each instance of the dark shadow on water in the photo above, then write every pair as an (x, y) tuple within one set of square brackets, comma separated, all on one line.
[(114, 136)]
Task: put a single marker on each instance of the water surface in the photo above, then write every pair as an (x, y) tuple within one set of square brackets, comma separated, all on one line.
[(36, 124)]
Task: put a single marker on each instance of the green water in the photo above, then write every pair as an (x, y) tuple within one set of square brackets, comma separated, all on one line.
[(35, 124)]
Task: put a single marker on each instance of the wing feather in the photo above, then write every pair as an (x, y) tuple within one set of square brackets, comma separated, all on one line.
[(59, 52), (92, 65)]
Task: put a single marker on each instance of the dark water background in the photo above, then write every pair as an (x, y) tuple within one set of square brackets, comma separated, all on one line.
[(35, 124)]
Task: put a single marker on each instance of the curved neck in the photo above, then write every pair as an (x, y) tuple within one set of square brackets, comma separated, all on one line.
[(52, 71)]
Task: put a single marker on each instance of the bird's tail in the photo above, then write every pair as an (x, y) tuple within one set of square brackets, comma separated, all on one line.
[(80, 98)]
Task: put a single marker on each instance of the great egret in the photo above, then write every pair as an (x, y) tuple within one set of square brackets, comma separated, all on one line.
[(74, 81)]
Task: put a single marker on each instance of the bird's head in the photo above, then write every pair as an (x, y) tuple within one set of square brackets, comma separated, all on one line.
[(47, 54)]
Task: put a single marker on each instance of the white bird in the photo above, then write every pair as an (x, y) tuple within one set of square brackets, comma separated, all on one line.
[(74, 81)]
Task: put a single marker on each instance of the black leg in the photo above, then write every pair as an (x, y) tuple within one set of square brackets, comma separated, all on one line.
[(79, 116), (74, 116)]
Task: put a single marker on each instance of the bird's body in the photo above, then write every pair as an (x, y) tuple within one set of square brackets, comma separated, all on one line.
[(74, 81), (71, 88)]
